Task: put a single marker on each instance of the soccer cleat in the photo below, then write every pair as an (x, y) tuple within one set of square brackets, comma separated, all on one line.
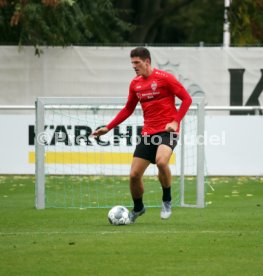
[(134, 215), (166, 209)]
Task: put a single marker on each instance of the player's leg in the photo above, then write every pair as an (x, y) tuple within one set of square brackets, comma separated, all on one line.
[(163, 156), (138, 168)]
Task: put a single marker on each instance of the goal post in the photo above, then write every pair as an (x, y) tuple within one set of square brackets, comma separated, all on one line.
[(75, 170), (197, 111)]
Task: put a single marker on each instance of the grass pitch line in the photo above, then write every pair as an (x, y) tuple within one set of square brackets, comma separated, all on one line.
[(127, 232)]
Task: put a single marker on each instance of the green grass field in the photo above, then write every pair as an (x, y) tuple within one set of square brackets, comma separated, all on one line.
[(225, 238)]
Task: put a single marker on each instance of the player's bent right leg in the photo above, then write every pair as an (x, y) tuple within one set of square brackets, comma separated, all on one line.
[(138, 168)]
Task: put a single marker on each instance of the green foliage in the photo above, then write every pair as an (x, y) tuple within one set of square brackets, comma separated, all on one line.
[(246, 17), (82, 22), (192, 21), (200, 21), (63, 23)]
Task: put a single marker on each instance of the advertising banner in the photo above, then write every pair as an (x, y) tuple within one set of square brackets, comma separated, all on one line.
[(232, 146)]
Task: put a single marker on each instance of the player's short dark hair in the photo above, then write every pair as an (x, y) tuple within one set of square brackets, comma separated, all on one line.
[(141, 52)]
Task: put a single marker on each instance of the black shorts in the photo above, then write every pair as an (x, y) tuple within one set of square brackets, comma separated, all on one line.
[(147, 145)]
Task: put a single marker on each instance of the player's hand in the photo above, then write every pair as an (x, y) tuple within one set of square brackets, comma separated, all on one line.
[(172, 127), (100, 131)]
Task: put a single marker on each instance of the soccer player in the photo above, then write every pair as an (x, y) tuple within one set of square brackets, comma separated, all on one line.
[(156, 91)]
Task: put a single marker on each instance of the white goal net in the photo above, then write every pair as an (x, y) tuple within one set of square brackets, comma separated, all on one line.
[(75, 170)]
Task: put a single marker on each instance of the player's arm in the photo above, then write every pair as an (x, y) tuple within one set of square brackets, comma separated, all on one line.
[(172, 127), (179, 91), (100, 131), (124, 113)]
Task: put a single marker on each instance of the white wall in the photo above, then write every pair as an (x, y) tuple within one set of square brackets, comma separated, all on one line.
[(107, 71)]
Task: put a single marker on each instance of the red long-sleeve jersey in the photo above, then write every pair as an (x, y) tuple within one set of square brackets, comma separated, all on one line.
[(156, 94)]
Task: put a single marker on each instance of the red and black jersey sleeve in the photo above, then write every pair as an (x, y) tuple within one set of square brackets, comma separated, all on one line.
[(126, 111), (179, 91)]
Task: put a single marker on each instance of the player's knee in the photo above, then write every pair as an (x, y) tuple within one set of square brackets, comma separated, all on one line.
[(161, 164), (135, 176)]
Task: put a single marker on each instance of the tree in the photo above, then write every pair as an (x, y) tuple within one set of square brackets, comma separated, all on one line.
[(246, 17), (149, 16), (60, 22), (174, 21), (82, 22), (192, 21), (199, 21)]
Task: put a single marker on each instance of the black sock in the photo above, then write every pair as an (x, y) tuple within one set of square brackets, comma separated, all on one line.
[(167, 194), (138, 204)]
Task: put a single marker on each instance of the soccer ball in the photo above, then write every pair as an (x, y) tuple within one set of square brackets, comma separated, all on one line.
[(118, 215)]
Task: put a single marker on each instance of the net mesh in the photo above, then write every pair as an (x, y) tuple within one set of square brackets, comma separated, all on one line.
[(85, 172)]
